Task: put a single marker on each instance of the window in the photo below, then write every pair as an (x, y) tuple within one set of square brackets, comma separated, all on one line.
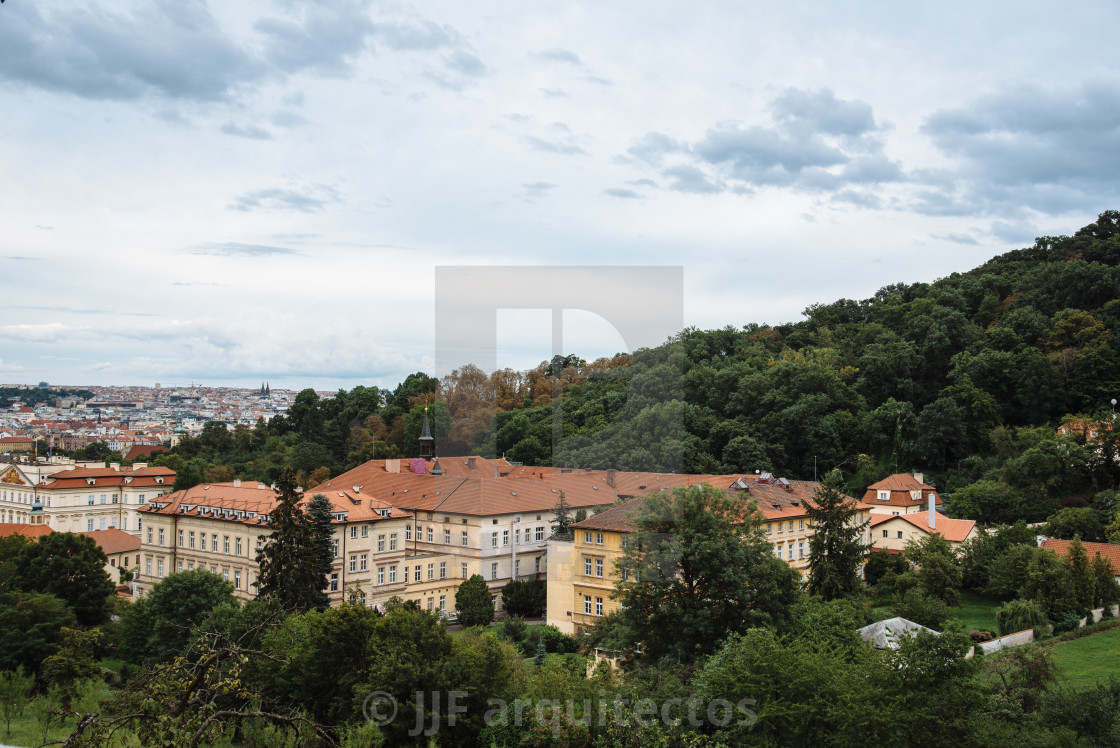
[(778, 550), (141, 500), (214, 543), (443, 603), (392, 575), (237, 580), (429, 535), (517, 536), (598, 567), (159, 568), (179, 566), (260, 544), (884, 496), (405, 575), (800, 524), (416, 574), (112, 522), (225, 544), (90, 502), (537, 564), (625, 574), (768, 527), (447, 537), (353, 563), (540, 533), (353, 532), (237, 545), (225, 574), (381, 575), (148, 567), (103, 497), (431, 571), (365, 534), (598, 606), (493, 571), (408, 532), (900, 534), (180, 538), (431, 604), (791, 525), (190, 539), (884, 533), (587, 604), (380, 543), (362, 597), (101, 524), (443, 570), (463, 538), (114, 498), (393, 542), (89, 528), (463, 571), (587, 566), (494, 540), (517, 568), (161, 536), (801, 549), (598, 538), (363, 565), (334, 547), (334, 583), (587, 538), (201, 537), (505, 537)]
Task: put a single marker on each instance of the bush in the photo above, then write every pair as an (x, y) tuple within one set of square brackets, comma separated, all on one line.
[(1019, 615), (513, 629), (1068, 621), (553, 639), (525, 598)]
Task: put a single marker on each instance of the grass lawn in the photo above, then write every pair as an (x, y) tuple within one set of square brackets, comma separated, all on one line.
[(1088, 660), (976, 611)]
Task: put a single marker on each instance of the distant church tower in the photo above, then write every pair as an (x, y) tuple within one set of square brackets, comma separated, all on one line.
[(427, 443)]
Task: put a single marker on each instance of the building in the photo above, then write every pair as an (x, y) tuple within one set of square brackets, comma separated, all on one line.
[(901, 493), (583, 571), (1109, 551), (88, 499), (122, 550), (891, 532)]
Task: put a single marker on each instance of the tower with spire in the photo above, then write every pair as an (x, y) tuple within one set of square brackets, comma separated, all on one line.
[(427, 443)]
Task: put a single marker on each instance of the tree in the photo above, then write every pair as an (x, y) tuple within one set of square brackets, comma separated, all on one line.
[(526, 598), (1069, 523), (15, 687), (1107, 590), (562, 521), (162, 623), (1050, 584), (1019, 615), (939, 571), (321, 553), (71, 567), (73, 664), (290, 564), (473, 602), (698, 569), (836, 549), (1081, 573), (31, 626)]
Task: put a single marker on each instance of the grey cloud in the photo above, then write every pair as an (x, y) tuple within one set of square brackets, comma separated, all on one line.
[(284, 200), (690, 179), (295, 98), (560, 55), (566, 149), (823, 112), (251, 132), (1049, 151), (622, 192), (516, 117), (553, 93), (1014, 233), (536, 189), (599, 80), (859, 199), (957, 238), (236, 249), (465, 63), (18, 258), (288, 119), (652, 148), (166, 47), (644, 183), (323, 37), (415, 35)]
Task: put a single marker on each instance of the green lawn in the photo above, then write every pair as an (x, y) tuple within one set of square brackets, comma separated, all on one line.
[(976, 611), (1088, 660)]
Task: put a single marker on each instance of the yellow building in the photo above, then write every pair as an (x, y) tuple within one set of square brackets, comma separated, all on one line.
[(891, 532)]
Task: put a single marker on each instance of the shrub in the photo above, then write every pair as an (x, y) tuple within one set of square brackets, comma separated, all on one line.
[(919, 607), (1019, 615), (1068, 621), (513, 629)]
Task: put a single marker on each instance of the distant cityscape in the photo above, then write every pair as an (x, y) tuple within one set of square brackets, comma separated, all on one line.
[(131, 420)]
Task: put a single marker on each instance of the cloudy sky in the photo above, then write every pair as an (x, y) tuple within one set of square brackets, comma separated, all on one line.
[(234, 192)]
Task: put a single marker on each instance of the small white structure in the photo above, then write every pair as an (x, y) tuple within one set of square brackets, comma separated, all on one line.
[(886, 634)]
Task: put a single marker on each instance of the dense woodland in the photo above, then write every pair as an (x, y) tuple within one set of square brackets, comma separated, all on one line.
[(965, 379)]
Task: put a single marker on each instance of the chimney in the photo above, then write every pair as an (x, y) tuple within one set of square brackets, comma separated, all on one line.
[(932, 514), (237, 483), (116, 466), (470, 463), (357, 489), (920, 477), (610, 478)]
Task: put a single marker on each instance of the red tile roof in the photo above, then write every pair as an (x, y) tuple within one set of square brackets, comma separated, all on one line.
[(1109, 551), (953, 530), (114, 541), (901, 486), (143, 450), (28, 531)]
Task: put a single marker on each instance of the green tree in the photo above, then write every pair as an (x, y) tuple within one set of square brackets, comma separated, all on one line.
[(836, 550), (526, 598), (1070, 523), (1019, 615), (71, 567), (15, 688), (31, 626), (562, 519), (162, 623), (698, 569), (473, 602), (1081, 573), (72, 664), (939, 571), (1107, 590), (321, 552), (1050, 584), (290, 565), (1007, 574)]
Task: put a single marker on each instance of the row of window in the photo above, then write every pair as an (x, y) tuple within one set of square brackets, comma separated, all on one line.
[(598, 538), (190, 567), (189, 538), (531, 535), (417, 571), (789, 554), (587, 605), (800, 526)]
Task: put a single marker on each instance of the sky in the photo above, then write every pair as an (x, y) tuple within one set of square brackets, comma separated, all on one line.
[(229, 193)]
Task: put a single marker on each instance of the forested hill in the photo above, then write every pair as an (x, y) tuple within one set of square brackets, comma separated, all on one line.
[(966, 378)]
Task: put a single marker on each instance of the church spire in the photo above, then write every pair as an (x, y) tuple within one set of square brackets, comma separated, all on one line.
[(427, 443)]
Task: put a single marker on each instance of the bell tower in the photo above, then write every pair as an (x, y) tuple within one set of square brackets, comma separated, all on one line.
[(427, 443)]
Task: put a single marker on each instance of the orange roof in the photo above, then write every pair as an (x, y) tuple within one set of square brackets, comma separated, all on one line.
[(113, 541), (1109, 551), (953, 530), (78, 478), (901, 487), (28, 531)]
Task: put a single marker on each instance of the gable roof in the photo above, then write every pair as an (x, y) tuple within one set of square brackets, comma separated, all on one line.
[(113, 540), (953, 530), (1109, 551), (28, 531)]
